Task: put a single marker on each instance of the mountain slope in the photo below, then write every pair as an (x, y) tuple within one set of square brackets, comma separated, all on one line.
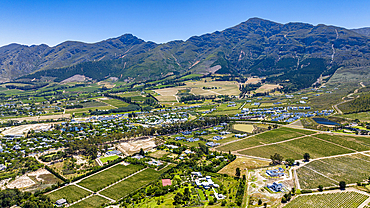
[(362, 31), (258, 47), (17, 60)]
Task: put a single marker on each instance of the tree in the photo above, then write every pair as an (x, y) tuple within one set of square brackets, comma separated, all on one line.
[(142, 152), (321, 188), (342, 185), (259, 201), (276, 159), (306, 157), (290, 161), (237, 172)]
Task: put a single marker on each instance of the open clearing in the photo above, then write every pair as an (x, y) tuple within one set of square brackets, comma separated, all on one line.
[(131, 147), (41, 118), (351, 169), (242, 163), (107, 177), (19, 130), (158, 154), (332, 200), (70, 193), (244, 127), (109, 158), (94, 201), (267, 88)]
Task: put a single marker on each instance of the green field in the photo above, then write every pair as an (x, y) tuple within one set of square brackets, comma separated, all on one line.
[(109, 158), (351, 169), (272, 136), (116, 103), (94, 201), (131, 184), (296, 148), (355, 143), (332, 200), (363, 116), (70, 193), (109, 176)]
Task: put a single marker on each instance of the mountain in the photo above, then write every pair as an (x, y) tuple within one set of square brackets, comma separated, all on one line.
[(258, 47), (17, 60), (362, 31)]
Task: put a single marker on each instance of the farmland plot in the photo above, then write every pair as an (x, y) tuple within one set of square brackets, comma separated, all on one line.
[(332, 200)]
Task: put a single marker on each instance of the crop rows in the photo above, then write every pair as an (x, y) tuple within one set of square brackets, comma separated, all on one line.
[(332, 200)]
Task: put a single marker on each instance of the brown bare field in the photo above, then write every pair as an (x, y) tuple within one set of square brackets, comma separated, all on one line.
[(134, 146), (242, 163), (21, 182), (253, 80), (38, 118), (19, 130), (158, 154), (267, 88)]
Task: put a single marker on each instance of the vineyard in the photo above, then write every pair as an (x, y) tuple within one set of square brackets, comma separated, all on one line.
[(331, 200), (351, 169)]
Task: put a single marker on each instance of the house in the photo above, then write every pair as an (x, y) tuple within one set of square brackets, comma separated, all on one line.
[(2, 167), (113, 152), (138, 157), (199, 174), (212, 144), (275, 187), (61, 202), (166, 182), (275, 173), (217, 137)]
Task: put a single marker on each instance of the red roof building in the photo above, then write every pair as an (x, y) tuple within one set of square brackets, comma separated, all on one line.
[(166, 182)]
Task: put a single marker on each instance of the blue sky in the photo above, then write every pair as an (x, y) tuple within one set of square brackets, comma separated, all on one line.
[(54, 21)]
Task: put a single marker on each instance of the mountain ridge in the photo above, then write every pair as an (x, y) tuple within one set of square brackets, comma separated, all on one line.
[(238, 49)]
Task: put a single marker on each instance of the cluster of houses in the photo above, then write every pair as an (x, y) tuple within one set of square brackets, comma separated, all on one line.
[(281, 113), (206, 183)]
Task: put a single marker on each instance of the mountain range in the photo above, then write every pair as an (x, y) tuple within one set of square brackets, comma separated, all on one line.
[(254, 47)]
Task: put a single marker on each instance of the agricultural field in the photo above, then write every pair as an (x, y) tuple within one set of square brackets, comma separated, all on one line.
[(331, 200), (109, 176), (94, 201), (244, 127), (243, 163), (134, 182), (355, 142), (296, 148), (114, 102), (272, 136), (71, 193), (351, 169)]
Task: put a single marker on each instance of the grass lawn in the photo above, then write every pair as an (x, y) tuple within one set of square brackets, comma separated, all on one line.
[(331, 200), (242, 163), (296, 148), (94, 201), (109, 158), (109, 176), (133, 183), (70, 193), (272, 136), (244, 127)]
